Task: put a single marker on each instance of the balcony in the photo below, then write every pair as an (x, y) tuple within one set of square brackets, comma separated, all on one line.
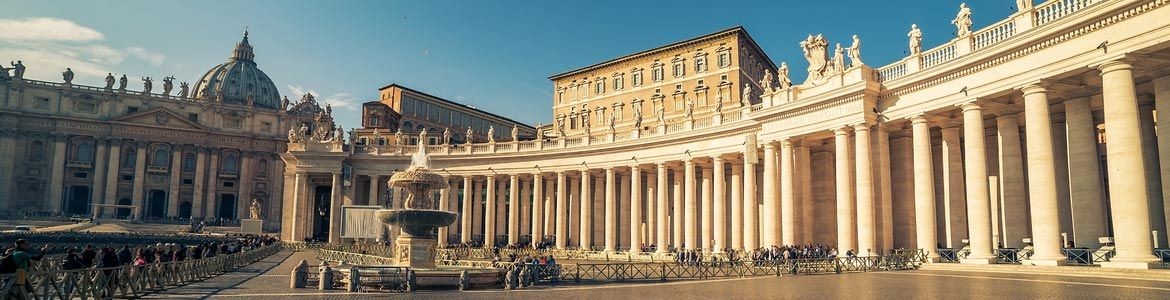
[(75, 164), (156, 169), (229, 174)]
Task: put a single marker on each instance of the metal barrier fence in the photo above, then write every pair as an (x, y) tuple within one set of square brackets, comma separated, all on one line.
[(1163, 256), (124, 281), (663, 271), (353, 258)]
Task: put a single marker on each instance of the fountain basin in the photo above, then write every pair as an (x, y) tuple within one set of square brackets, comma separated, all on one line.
[(416, 222)]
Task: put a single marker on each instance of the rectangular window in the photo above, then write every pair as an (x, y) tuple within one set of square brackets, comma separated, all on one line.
[(41, 102), (232, 123), (700, 64), (80, 175), (679, 70), (724, 60), (638, 79), (87, 107), (700, 82), (127, 177), (193, 117), (229, 184), (267, 126), (131, 109), (188, 182), (600, 87)]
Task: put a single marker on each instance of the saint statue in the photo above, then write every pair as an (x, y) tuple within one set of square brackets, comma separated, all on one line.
[(328, 109), (766, 83), (4, 73), (1023, 5), (561, 127), (515, 133), (637, 115), (17, 69), (302, 132), (491, 134), (292, 136), (183, 90), (339, 135), (746, 98), (254, 209), (422, 137), (122, 83), (540, 134), (719, 106), (915, 39), (855, 52), (146, 85), (962, 21), (782, 76), (612, 122), (109, 81), (689, 113), (284, 103), (470, 137), (398, 137), (446, 136), (661, 112), (67, 76), (585, 122), (168, 84), (838, 59)]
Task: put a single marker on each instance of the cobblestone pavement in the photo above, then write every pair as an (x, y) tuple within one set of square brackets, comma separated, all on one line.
[(268, 279)]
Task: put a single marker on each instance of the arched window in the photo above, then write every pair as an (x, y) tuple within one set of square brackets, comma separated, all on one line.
[(36, 151), (128, 157), (407, 125), (189, 162), (161, 156), (231, 163), (263, 168), (84, 152)]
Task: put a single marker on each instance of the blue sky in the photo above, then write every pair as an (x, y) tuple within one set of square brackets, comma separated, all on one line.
[(494, 55)]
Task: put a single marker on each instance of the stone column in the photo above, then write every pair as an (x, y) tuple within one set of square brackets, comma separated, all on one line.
[(883, 189), (335, 208), (489, 213), (978, 195), (954, 189), (787, 193), (846, 236), (8, 161), (374, 188), (1084, 173), (1162, 103), (1127, 179), (465, 214), (690, 208), (737, 209), (244, 198), (586, 240), (111, 190), (924, 203), (537, 209), (1013, 210), (298, 204), (513, 209), (751, 232), (650, 205), (523, 215), (704, 207), (611, 208), (139, 179), (804, 174), (200, 173), (676, 213), (173, 190), (501, 208), (562, 214), (478, 208), (622, 212), (720, 207), (771, 198), (574, 209), (57, 184), (866, 223), (663, 233), (99, 173), (1042, 177), (445, 205), (213, 185), (635, 209), (1153, 176)]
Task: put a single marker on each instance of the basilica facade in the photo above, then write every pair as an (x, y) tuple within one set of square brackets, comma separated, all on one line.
[(1038, 132), (203, 151)]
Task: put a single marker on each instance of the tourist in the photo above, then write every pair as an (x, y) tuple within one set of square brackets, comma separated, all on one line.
[(71, 261), (88, 255), (124, 257)]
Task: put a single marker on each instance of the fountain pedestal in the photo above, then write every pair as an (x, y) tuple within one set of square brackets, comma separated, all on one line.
[(415, 252)]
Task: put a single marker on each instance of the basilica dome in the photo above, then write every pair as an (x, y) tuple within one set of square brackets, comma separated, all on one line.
[(238, 81)]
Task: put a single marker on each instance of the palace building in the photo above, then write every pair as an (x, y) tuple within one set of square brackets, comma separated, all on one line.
[(110, 152), (1030, 135)]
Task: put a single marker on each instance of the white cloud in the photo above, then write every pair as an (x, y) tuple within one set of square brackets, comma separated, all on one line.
[(46, 29), (336, 101), (155, 59)]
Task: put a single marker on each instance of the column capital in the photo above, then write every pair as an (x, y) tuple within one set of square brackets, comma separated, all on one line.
[(769, 145), (861, 127), (919, 119), (513, 176), (1033, 88), (1114, 65), (718, 158), (970, 106), (610, 170), (843, 130), (786, 143)]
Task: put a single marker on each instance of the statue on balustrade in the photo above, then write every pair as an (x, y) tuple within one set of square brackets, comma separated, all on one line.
[(377, 138), (398, 138), (766, 83), (491, 134), (838, 65), (146, 85), (284, 103), (67, 76), (122, 83), (4, 73), (561, 127), (338, 135), (539, 134), (183, 89), (915, 39), (782, 76), (17, 69), (446, 136), (422, 137), (855, 52), (1023, 5), (689, 112), (515, 133), (168, 84), (962, 21), (637, 115), (815, 50), (110, 81), (254, 209), (585, 122), (661, 112), (470, 137), (612, 122), (746, 98), (293, 136), (302, 132), (719, 105)]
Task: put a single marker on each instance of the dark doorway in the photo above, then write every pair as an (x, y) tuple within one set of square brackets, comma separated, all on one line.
[(227, 207), (124, 212), (185, 209), (321, 212), (156, 204), (77, 202)]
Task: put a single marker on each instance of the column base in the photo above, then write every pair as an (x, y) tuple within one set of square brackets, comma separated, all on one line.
[(978, 261), (1139, 265), (1051, 262)]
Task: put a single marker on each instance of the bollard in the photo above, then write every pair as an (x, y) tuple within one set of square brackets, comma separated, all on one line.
[(326, 278), (355, 280), (411, 280), (299, 275), (510, 279), (464, 281)]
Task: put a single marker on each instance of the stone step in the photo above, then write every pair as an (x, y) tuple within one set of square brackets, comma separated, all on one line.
[(1081, 271)]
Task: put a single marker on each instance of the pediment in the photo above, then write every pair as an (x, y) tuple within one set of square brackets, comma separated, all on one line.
[(159, 117)]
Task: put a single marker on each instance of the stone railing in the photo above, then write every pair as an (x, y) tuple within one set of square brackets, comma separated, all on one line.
[(95, 89), (124, 281), (994, 33), (938, 55), (1055, 9)]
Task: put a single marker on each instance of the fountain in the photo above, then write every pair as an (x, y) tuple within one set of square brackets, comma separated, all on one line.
[(417, 220)]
